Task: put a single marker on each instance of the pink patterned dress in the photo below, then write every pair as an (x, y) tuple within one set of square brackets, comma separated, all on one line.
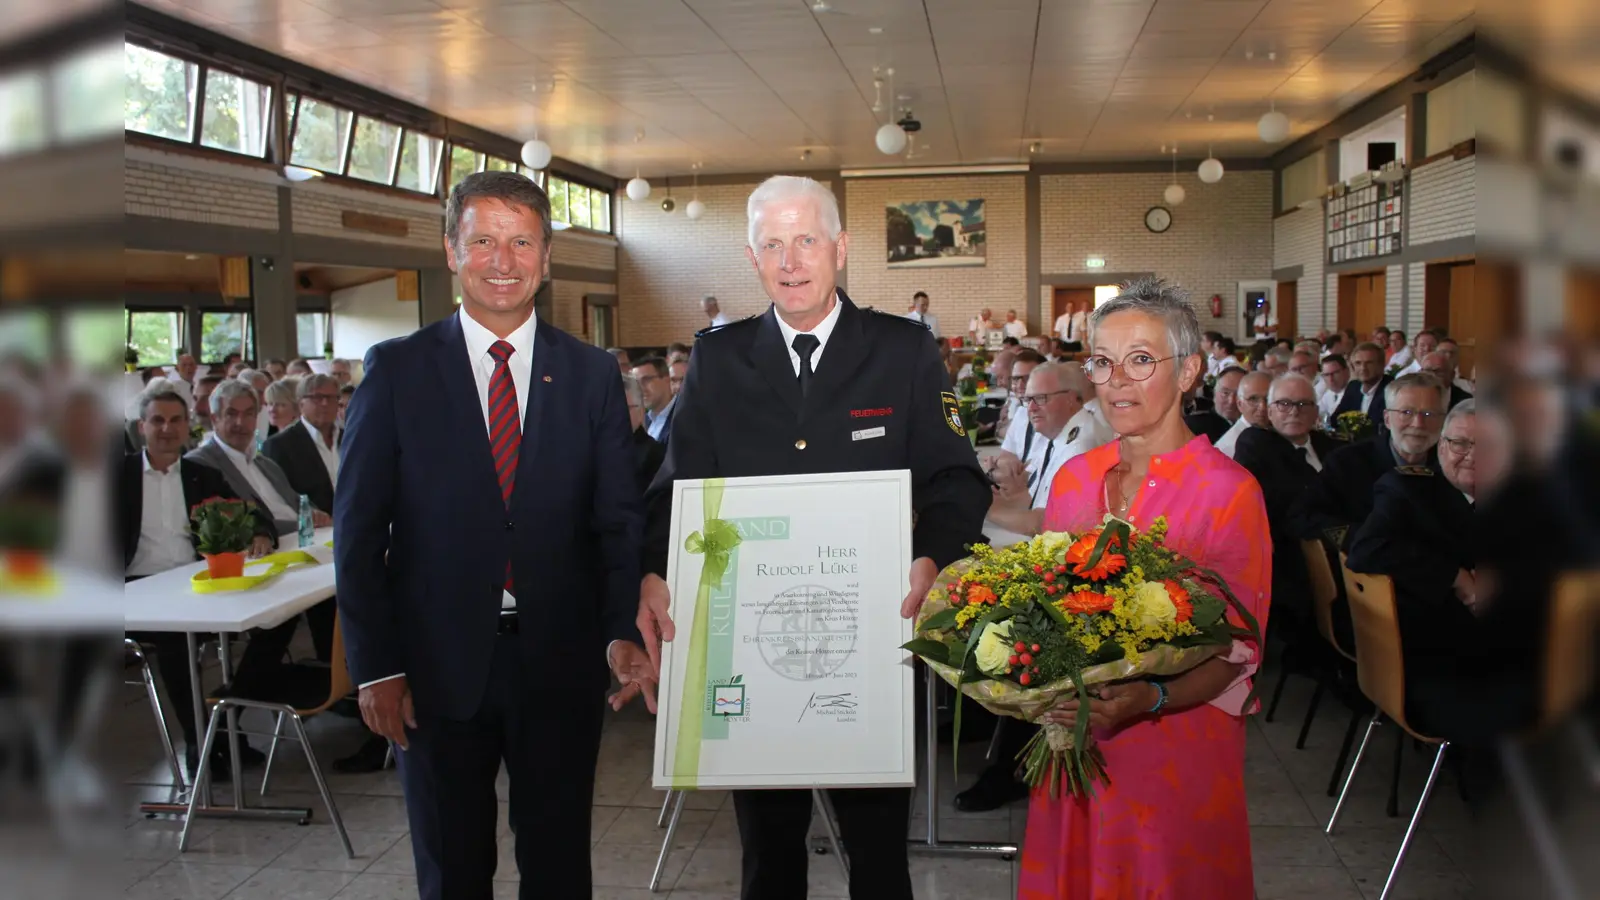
[(1173, 822)]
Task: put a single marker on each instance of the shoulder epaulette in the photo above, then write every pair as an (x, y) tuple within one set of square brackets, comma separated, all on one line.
[(1415, 470), (705, 331)]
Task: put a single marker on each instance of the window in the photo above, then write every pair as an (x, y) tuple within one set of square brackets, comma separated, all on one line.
[(235, 114), (25, 332), (557, 191), (155, 336), (311, 332), (22, 113), (419, 162), (535, 175), (372, 154), (91, 338), (222, 333), (463, 162), (85, 93), (578, 204), (321, 131), (600, 210), (160, 94), (495, 164)]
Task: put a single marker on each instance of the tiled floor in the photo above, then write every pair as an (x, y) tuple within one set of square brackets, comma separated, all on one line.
[(1286, 788)]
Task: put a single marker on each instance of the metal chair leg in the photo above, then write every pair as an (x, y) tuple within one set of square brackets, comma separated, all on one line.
[(322, 784), (1344, 752), (1311, 713), (1355, 766), (666, 845), (388, 757), (272, 753), (830, 823), (200, 775), (1393, 809), (666, 807), (1416, 817), (149, 680), (1277, 692)]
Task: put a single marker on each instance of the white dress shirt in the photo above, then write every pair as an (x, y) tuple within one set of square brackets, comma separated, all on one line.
[(718, 320), (1327, 403), (1016, 440), (163, 522), (981, 327), (1071, 327), (822, 332), (277, 507), (1402, 358), (1017, 329), (1083, 432), (330, 455), (1310, 452), (928, 319), (1366, 397), (1230, 440)]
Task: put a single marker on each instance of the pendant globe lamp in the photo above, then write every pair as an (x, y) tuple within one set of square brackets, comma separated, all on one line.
[(1174, 194)]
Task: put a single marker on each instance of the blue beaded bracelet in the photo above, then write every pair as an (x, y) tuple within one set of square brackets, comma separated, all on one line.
[(1161, 699)]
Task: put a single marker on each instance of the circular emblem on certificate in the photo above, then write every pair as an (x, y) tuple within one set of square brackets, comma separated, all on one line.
[(807, 632)]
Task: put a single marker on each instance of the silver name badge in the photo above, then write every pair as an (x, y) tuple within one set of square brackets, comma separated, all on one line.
[(867, 433)]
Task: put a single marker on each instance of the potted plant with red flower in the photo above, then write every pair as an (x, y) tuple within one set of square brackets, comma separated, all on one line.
[(28, 532), (223, 531)]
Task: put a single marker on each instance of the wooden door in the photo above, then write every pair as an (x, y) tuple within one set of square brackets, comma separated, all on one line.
[(1068, 299), (1583, 304), (1363, 301), (1288, 309)]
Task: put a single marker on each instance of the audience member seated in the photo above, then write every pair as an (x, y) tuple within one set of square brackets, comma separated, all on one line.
[(341, 370), (201, 418), (1014, 412), (298, 368), (1330, 386), (1222, 356), (649, 453), (1365, 391), (283, 404), (1426, 341), (624, 363), (1438, 365), (1341, 496), (677, 371), (1062, 428), (231, 450), (1215, 422), (276, 369), (1275, 361), (655, 379), (308, 449), (157, 489), (1014, 327), (1253, 388), (1398, 354), (1452, 353)]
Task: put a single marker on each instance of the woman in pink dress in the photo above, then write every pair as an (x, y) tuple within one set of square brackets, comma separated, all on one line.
[(1173, 821)]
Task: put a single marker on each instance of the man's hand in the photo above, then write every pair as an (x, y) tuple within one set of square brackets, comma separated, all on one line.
[(320, 519), (923, 572), (260, 546), (654, 621), (635, 672), (1466, 589), (386, 708)]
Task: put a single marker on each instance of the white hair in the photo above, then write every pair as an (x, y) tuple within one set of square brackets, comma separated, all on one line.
[(1068, 377), (1467, 407), (780, 188), (1289, 378)]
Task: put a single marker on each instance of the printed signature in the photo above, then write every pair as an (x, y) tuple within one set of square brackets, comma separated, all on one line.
[(828, 701)]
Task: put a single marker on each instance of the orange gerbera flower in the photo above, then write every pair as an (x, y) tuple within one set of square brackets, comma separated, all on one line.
[(979, 593), (1110, 564), (1180, 599), (1086, 602)]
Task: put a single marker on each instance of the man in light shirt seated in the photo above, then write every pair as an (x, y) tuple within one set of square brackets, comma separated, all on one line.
[(1014, 413), (1014, 327), (1252, 410), (1426, 341), (1063, 428), (1335, 376), (1452, 353), (1222, 350)]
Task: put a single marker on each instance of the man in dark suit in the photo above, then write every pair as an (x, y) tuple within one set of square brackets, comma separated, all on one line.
[(1215, 422), (156, 491), (1365, 392), (660, 401), (489, 558), (649, 453), (773, 395), (308, 450), (1341, 495), (231, 450)]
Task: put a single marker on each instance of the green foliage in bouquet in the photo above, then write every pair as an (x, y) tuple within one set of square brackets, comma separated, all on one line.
[(222, 525), (1353, 426), (28, 526)]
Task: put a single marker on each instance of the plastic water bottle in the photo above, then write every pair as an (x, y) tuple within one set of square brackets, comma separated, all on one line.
[(308, 532)]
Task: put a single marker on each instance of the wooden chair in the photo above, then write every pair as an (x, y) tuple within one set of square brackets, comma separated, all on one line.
[(1380, 670), (330, 685), (1320, 563)]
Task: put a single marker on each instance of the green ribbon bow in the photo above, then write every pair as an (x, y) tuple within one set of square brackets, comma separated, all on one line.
[(716, 541)]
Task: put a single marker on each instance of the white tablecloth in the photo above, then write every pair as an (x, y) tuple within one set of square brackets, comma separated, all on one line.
[(167, 602)]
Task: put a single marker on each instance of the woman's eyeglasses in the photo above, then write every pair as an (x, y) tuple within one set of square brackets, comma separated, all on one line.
[(1138, 366)]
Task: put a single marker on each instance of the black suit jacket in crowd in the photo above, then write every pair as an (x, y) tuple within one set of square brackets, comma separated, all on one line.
[(740, 413), (200, 482), (650, 453), (1284, 475), (1208, 423), (1341, 495), (1351, 401), (294, 449)]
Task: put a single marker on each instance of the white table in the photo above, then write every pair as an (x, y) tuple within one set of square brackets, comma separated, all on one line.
[(168, 602)]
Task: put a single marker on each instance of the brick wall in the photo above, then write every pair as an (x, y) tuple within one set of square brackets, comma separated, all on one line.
[(569, 248), (153, 186), (666, 263), (955, 294), (1221, 234), (567, 308), (1297, 240), (318, 208), (1443, 201)]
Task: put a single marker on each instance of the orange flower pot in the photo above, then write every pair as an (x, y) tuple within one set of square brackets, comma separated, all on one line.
[(25, 564), (225, 565)]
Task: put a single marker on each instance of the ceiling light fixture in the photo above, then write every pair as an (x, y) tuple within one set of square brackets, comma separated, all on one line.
[(1211, 168), (695, 209), (1273, 126), (891, 138), (1174, 194), (638, 188)]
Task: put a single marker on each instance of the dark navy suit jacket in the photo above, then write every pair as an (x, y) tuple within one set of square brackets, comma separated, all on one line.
[(1351, 401), (423, 537)]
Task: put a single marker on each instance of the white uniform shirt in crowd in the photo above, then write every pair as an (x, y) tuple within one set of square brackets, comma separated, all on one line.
[(1310, 453), (1408, 368), (1265, 322), (1072, 327), (163, 522), (717, 321), (980, 328), (1215, 366), (330, 455), (1017, 329), (1230, 440), (822, 332), (1083, 432), (1016, 441), (928, 319), (277, 507), (1402, 358), (1327, 403)]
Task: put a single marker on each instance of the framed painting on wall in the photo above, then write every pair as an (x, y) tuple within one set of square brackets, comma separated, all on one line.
[(929, 233)]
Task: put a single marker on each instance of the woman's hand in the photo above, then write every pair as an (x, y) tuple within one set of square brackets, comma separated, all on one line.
[(1118, 703)]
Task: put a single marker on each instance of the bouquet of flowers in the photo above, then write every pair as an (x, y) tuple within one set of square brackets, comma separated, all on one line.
[(1017, 629), (1353, 426)]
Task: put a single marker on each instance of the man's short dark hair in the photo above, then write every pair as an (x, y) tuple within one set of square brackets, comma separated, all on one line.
[(276, 361), (162, 394), (657, 363), (347, 390), (1332, 340), (1337, 359), (212, 378), (677, 347), (1227, 344), (1010, 342), (1212, 336), (921, 294), (513, 188), (1028, 355)]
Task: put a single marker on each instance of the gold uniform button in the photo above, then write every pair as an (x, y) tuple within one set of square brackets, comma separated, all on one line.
[(800, 444)]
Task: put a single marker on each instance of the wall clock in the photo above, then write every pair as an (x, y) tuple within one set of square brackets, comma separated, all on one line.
[(1158, 219)]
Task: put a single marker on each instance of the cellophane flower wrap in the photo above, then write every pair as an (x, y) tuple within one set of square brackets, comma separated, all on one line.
[(1019, 628)]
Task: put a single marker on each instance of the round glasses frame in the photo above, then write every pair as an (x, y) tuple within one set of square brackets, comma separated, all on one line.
[(1136, 371)]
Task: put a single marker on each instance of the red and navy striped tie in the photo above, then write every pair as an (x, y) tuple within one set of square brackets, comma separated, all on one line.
[(505, 428)]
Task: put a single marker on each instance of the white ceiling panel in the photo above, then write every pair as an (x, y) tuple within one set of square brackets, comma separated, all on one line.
[(742, 85)]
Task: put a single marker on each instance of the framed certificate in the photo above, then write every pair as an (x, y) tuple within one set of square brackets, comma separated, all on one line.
[(786, 670)]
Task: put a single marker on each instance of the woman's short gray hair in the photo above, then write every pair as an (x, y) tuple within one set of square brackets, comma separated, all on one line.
[(284, 390), (1155, 297), (230, 390), (634, 390), (794, 187)]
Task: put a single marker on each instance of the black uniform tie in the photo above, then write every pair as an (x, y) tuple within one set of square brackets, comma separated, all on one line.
[(805, 345)]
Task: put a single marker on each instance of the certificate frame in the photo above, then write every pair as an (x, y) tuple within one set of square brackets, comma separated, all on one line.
[(827, 645)]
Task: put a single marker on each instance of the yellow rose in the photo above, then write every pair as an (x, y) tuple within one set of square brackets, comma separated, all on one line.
[(995, 648), (1151, 604)]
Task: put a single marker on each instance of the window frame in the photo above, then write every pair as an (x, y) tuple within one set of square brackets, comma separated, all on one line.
[(246, 340), (594, 193), (183, 329), (276, 96)]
